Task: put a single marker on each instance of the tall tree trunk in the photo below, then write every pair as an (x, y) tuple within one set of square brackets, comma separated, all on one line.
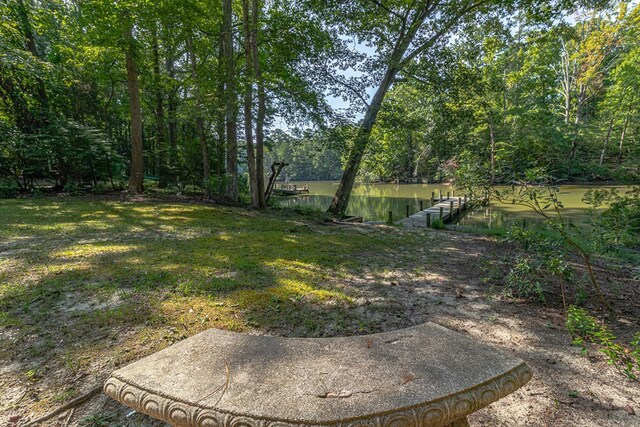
[(606, 141), (262, 107), (41, 117), (581, 99), (624, 131), (200, 125), (493, 150), (220, 118), (136, 177), (567, 81), (341, 198), (172, 157), (161, 134), (248, 102), (231, 102)]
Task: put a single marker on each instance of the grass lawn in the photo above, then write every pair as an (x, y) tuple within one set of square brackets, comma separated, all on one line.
[(87, 285)]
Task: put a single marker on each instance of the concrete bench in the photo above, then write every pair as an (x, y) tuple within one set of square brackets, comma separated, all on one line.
[(420, 376)]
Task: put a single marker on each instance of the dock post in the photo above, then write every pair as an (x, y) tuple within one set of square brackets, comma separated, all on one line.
[(433, 196), (441, 213), (390, 217), (459, 205), (428, 219), (407, 211), (465, 201), (421, 205), (450, 211), (453, 192), (448, 195), (440, 194)]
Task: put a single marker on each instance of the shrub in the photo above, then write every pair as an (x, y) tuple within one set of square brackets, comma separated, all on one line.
[(9, 188), (586, 329), (72, 188), (438, 224)]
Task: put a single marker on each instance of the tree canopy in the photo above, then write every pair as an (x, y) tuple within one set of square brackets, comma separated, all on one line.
[(208, 93)]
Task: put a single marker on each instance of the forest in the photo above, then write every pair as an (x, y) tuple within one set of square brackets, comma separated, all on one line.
[(101, 95)]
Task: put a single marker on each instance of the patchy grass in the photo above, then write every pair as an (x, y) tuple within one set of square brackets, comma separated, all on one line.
[(87, 285)]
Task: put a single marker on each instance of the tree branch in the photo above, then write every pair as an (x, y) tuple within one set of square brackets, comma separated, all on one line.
[(348, 86), (386, 8), (433, 39)]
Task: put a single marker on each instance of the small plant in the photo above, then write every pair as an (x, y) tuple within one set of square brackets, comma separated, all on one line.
[(97, 420), (438, 224), (586, 329), (522, 280), (8, 188), (539, 195), (36, 193), (545, 256), (72, 188)]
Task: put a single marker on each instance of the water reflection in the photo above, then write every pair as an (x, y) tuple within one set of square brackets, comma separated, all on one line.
[(374, 201)]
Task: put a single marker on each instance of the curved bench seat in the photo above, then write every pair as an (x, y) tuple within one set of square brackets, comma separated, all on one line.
[(420, 376)]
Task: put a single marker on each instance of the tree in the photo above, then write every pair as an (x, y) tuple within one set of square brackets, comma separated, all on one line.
[(401, 33)]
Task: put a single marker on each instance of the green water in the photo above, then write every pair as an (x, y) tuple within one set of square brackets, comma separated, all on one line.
[(374, 201)]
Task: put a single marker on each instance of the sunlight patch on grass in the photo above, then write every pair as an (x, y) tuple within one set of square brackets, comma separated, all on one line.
[(84, 250)]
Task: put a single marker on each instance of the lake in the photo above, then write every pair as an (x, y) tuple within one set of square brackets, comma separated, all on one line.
[(374, 201)]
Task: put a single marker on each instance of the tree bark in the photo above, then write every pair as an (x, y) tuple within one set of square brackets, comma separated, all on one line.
[(161, 134), (606, 142), (262, 108), (172, 120), (624, 131), (493, 150), (200, 125), (231, 102), (248, 101), (220, 118), (136, 176), (39, 119)]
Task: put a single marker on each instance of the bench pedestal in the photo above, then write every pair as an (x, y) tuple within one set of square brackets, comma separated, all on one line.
[(421, 376)]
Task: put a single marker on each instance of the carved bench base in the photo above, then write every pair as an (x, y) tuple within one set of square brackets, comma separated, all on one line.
[(416, 377)]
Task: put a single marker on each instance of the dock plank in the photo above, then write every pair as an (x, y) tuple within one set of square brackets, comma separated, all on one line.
[(419, 219)]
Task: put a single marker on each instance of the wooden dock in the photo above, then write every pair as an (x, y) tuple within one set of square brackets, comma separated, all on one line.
[(290, 190), (446, 209)]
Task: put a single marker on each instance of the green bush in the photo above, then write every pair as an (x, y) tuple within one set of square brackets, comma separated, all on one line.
[(9, 188), (438, 224), (586, 329), (72, 188)]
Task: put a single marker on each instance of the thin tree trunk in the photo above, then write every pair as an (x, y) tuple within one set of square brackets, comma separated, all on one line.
[(262, 108), (624, 131), (161, 135), (172, 120), (220, 118), (200, 125), (493, 150), (40, 118), (231, 102), (606, 141), (136, 177), (248, 102), (579, 119)]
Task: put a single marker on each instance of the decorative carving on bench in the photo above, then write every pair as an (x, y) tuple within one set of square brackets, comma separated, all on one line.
[(167, 404)]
